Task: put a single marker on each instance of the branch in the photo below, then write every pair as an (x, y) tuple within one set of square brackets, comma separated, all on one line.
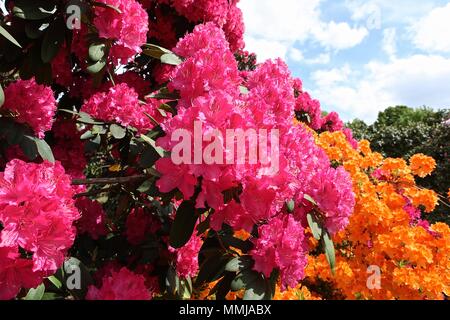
[(103, 181)]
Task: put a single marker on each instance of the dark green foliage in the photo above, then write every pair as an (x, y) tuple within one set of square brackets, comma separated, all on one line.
[(400, 132)]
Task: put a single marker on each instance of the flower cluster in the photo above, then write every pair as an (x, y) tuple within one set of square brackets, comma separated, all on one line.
[(225, 14), (121, 104), (128, 29), (187, 257), (280, 245), (31, 104), (37, 213), (121, 285), (218, 105), (386, 229)]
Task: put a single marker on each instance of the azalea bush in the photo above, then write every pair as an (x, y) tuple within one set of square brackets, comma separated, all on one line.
[(99, 201)]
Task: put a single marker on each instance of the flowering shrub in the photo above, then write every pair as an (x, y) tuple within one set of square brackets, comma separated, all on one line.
[(156, 158)]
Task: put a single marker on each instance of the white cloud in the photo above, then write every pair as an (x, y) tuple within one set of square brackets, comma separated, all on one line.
[(414, 81), (296, 55), (377, 13), (432, 31), (323, 58), (284, 23), (326, 78), (389, 42), (266, 49), (339, 35)]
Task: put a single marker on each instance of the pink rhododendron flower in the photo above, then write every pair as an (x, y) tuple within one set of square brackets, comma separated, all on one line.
[(140, 224), (309, 110), (92, 219), (281, 245), (128, 28), (122, 285), (62, 68), (349, 135), (187, 257), (68, 148), (333, 192), (269, 104), (37, 211), (332, 122), (15, 273), (32, 104), (223, 13), (162, 28), (120, 104)]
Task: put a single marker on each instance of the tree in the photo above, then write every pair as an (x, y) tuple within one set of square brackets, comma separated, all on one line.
[(402, 132)]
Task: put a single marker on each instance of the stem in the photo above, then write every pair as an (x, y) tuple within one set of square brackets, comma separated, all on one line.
[(92, 193), (103, 181)]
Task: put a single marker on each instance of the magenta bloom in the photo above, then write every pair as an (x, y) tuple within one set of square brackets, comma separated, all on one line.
[(332, 190), (281, 245), (15, 273), (120, 104), (121, 285), (140, 224), (128, 29), (187, 257), (37, 213), (92, 219), (32, 104)]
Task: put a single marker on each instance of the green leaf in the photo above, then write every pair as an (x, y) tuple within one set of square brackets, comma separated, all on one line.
[(171, 58), (152, 143), (87, 119), (230, 241), (255, 290), (44, 150), (104, 5), (212, 269), (244, 279), (243, 90), (146, 186), (29, 148), (33, 10), (290, 206), (87, 135), (117, 131), (310, 199), (165, 94), (55, 282), (53, 40), (222, 288), (36, 293), (2, 96), (96, 67), (184, 224), (154, 51), (329, 251), (314, 225), (172, 281), (35, 29), (8, 36), (97, 51), (166, 56), (148, 157), (239, 264)]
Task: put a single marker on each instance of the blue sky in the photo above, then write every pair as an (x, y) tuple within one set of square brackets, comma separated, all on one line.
[(358, 56)]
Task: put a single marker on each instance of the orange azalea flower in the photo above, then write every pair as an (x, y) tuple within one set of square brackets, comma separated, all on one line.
[(422, 165)]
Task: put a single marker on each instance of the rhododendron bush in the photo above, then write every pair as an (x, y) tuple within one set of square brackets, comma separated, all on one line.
[(107, 192)]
